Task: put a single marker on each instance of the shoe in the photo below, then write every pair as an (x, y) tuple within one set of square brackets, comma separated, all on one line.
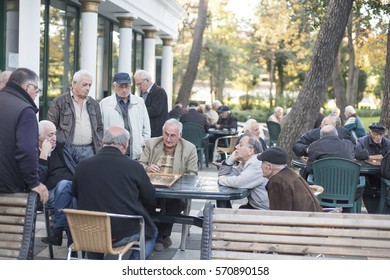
[(158, 247), (167, 242), (55, 237)]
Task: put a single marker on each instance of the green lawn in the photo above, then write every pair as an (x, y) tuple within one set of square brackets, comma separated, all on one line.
[(367, 120)]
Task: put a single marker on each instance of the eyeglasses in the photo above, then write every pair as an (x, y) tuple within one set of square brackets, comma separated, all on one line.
[(38, 91), (140, 83)]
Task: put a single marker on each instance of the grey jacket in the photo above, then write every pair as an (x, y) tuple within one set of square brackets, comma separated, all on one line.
[(247, 176)]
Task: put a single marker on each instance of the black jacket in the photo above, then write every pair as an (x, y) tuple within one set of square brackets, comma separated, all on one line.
[(369, 147), (157, 105), (112, 182), (194, 116)]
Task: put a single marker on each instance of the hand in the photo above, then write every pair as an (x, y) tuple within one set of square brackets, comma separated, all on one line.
[(43, 192), (45, 149), (217, 126), (233, 156), (153, 168)]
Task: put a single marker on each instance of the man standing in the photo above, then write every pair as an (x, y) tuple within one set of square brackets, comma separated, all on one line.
[(172, 154), (112, 182), (127, 111), (286, 189), (156, 101), (373, 146), (19, 135), (246, 174), (77, 116)]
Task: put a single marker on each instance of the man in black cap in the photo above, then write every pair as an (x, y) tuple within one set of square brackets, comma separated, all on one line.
[(286, 189), (226, 119), (373, 146), (128, 111)]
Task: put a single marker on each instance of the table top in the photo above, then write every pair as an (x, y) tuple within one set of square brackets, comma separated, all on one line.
[(365, 169), (190, 187), (222, 132)]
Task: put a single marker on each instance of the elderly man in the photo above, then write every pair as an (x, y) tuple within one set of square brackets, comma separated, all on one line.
[(286, 189), (301, 146), (246, 174), (226, 119), (354, 123), (277, 116), (128, 111), (4, 76), (374, 146), (253, 127), (169, 153), (19, 135), (156, 101), (112, 182), (194, 116), (77, 116)]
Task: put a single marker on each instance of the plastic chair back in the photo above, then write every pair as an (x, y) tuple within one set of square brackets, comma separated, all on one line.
[(195, 133), (340, 178), (274, 131), (232, 141), (91, 232)]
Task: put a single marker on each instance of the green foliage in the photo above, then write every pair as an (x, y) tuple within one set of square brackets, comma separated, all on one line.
[(368, 113)]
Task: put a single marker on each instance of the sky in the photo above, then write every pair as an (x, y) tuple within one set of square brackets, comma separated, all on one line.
[(243, 8)]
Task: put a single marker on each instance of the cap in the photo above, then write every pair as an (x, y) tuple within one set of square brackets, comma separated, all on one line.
[(275, 155), (193, 104), (377, 127), (122, 78), (223, 108)]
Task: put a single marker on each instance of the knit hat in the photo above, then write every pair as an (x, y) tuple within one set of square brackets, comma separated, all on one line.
[(275, 155)]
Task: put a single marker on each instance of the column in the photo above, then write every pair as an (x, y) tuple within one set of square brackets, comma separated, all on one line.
[(89, 34), (125, 44), (11, 37), (167, 69), (150, 52), (29, 35)]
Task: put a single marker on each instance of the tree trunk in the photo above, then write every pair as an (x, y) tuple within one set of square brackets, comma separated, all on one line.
[(353, 73), (305, 110), (339, 86), (196, 50), (385, 114)]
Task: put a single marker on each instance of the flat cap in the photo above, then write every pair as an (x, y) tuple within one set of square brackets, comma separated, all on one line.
[(275, 155), (223, 108), (377, 127), (122, 78)]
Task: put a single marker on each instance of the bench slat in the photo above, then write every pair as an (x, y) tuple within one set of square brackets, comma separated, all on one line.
[(230, 255), (12, 229), (299, 249), (15, 220), (11, 237), (285, 230), (6, 254), (13, 200), (10, 245), (15, 211)]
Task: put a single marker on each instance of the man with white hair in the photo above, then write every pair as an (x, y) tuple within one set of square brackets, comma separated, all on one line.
[(4, 76), (353, 123), (277, 116), (253, 127)]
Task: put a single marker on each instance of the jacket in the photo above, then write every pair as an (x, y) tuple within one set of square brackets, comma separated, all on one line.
[(61, 113), (247, 175), (18, 140), (369, 147), (138, 120), (157, 104), (289, 191), (185, 159)]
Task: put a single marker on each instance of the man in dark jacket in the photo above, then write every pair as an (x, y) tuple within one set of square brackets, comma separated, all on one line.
[(77, 116), (286, 189), (112, 182), (156, 101), (57, 163), (193, 115), (19, 135)]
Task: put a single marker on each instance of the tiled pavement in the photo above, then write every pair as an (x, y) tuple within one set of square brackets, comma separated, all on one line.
[(192, 252)]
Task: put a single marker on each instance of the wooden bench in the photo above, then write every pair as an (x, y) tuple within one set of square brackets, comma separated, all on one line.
[(17, 225), (257, 234)]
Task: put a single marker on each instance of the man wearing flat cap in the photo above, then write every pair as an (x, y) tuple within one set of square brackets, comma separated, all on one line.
[(286, 189), (373, 146), (128, 111)]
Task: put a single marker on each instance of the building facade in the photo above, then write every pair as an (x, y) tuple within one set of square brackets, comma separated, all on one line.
[(55, 38)]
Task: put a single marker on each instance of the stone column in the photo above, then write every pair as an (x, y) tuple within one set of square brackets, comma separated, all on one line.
[(150, 52), (167, 69), (125, 44), (11, 37), (89, 35)]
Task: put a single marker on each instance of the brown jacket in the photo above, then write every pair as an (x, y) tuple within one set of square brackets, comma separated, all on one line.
[(289, 191)]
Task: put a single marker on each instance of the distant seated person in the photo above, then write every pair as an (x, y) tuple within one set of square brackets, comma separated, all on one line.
[(330, 145), (194, 116), (354, 123), (226, 119), (374, 146), (301, 146), (112, 182), (253, 127), (172, 154), (277, 116), (286, 189), (211, 115), (246, 174), (177, 111)]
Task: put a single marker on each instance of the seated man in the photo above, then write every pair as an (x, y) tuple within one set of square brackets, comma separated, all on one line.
[(253, 127), (172, 154), (57, 162), (246, 174), (286, 189), (374, 146), (277, 116), (194, 116), (112, 182), (302, 144)]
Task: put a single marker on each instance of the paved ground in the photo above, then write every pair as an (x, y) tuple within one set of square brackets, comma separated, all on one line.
[(192, 252)]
